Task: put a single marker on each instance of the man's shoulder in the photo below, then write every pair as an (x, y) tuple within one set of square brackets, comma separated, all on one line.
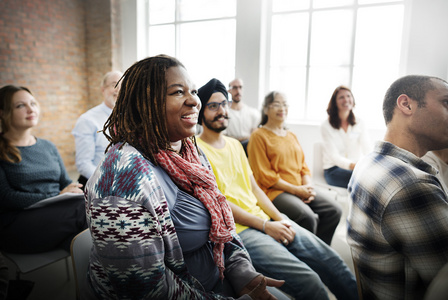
[(100, 109), (386, 171), (252, 110)]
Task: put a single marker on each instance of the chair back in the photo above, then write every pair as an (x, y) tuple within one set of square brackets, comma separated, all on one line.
[(27, 263), (80, 251)]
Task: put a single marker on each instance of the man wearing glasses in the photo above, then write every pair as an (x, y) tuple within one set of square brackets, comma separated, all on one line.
[(91, 144), (277, 246), (243, 118)]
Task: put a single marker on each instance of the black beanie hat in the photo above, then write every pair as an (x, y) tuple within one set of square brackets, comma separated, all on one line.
[(206, 91)]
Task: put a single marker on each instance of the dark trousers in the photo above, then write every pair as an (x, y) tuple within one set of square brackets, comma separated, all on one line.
[(43, 229), (321, 216)]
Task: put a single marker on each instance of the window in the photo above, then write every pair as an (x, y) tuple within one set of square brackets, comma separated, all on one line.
[(200, 33), (320, 44)]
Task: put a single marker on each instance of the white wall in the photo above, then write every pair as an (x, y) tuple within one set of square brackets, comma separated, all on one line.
[(425, 43)]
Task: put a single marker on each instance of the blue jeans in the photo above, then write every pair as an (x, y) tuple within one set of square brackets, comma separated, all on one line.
[(306, 264), (337, 176)]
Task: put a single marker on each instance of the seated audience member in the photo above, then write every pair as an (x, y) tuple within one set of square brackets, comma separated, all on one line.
[(345, 138), (279, 166), (160, 227), (439, 160), (31, 170), (278, 248), (398, 225), (245, 119), (90, 143)]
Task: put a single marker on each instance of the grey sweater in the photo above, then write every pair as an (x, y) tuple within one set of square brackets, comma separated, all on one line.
[(41, 174)]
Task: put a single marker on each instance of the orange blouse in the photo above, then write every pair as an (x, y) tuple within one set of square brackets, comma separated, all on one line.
[(272, 157)]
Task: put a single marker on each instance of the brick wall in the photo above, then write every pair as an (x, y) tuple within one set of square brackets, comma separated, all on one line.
[(59, 49), (102, 39)]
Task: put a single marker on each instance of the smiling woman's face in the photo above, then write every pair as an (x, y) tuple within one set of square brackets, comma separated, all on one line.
[(25, 111), (182, 104)]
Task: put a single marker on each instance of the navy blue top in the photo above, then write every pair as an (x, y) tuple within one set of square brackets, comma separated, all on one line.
[(192, 222)]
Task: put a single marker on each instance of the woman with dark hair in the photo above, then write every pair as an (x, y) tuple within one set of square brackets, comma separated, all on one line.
[(279, 167), (345, 138), (161, 229), (32, 170)]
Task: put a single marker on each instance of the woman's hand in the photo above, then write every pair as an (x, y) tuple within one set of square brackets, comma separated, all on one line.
[(305, 192), (256, 289), (72, 188), (281, 231)]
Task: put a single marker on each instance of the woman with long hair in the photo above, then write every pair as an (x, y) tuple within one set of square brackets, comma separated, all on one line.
[(345, 138), (32, 170), (279, 167), (161, 229)]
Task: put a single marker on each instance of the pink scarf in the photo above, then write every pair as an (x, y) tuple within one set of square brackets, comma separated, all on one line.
[(189, 175)]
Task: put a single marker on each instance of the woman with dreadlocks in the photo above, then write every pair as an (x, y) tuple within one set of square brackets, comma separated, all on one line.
[(160, 227)]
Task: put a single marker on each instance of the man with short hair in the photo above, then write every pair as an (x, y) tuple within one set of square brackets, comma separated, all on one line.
[(243, 118), (89, 142), (278, 247), (398, 223)]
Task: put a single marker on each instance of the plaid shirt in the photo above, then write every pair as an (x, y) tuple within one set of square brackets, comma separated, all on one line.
[(398, 223)]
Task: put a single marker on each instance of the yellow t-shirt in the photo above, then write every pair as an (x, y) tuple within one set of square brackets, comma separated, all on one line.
[(232, 172)]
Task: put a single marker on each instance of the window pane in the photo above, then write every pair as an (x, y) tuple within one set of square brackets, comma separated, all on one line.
[(289, 39), (379, 44), (376, 1), (290, 81), (206, 9), (323, 81), (161, 11), (331, 3), (207, 49), (161, 40), (331, 44), (289, 5)]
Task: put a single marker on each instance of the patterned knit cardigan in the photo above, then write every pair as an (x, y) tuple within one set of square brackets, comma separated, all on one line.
[(136, 252)]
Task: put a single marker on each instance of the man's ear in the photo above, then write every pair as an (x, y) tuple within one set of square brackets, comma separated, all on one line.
[(405, 104)]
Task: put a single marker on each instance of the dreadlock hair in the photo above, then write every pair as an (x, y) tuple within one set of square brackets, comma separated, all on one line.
[(333, 111), (8, 152), (139, 115)]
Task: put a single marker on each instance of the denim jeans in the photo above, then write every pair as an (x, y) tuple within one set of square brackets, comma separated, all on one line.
[(337, 176), (306, 265)]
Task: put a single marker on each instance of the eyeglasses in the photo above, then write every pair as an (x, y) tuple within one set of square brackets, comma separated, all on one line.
[(278, 105), (214, 106)]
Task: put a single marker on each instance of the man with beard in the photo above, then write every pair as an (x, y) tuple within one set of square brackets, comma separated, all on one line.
[(277, 246), (243, 118)]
